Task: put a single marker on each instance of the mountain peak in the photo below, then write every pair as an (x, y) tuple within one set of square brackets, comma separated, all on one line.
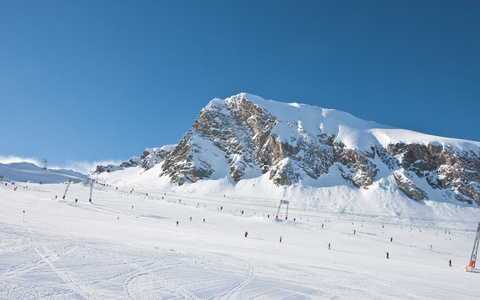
[(245, 136)]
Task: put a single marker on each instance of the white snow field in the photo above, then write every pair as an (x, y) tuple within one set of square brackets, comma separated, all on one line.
[(127, 245)]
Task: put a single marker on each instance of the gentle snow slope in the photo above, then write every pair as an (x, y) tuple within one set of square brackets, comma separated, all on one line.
[(28, 172), (126, 245)]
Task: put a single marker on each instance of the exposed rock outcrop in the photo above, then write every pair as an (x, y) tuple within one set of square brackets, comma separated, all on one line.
[(149, 158)]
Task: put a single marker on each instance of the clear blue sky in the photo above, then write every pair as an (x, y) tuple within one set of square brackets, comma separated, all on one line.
[(102, 80)]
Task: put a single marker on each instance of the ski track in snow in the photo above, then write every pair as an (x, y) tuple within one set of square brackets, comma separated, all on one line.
[(49, 258), (142, 271), (238, 287)]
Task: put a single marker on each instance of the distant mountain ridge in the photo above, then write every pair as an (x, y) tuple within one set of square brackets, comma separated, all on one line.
[(29, 172), (245, 136)]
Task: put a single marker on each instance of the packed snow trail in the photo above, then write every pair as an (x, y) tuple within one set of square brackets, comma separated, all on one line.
[(128, 246)]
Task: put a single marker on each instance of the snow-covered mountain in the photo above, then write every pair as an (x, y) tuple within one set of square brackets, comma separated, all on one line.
[(28, 172), (245, 137)]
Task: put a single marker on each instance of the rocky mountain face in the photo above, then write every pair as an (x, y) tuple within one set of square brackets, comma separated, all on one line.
[(442, 166), (245, 136)]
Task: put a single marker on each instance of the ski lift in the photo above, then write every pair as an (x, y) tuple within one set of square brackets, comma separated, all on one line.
[(473, 258), (279, 206)]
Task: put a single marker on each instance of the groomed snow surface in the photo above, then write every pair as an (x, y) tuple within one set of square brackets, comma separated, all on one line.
[(127, 245)]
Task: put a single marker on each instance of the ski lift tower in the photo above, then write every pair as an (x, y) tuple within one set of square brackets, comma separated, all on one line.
[(91, 189), (473, 258), (279, 206), (45, 163), (68, 185)]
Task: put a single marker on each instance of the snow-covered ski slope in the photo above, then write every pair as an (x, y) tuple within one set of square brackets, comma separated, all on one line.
[(334, 194), (127, 245)]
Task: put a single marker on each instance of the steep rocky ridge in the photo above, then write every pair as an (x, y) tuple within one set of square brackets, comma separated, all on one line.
[(147, 160)]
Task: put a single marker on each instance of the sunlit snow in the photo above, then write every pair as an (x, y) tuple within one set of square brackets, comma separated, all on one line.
[(126, 244)]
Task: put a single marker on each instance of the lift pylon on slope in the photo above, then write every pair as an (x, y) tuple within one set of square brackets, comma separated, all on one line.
[(279, 206), (68, 185), (91, 189), (473, 258)]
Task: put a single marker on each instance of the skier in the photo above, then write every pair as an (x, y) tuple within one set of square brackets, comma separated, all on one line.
[(449, 262), (177, 223), (391, 239), (329, 247), (388, 255), (246, 233), (354, 231), (280, 239)]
